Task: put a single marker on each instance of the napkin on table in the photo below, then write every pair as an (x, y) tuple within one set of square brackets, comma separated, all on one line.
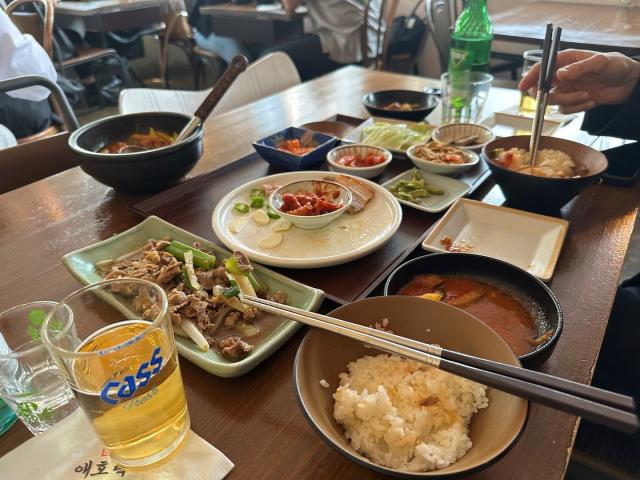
[(71, 450)]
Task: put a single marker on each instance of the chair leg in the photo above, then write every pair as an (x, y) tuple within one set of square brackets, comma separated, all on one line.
[(124, 72)]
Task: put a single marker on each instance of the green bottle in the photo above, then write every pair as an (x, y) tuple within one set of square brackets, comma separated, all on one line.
[(471, 39)]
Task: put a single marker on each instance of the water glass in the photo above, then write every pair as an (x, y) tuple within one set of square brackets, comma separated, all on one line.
[(527, 105), (114, 343), (30, 382), (463, 96)]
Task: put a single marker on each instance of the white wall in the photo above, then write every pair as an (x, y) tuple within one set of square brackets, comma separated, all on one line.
[(429, 65)]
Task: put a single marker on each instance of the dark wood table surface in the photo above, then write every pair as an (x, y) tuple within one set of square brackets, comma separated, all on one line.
[(255, 419), (109, 15), (595, 27), (248, 24)]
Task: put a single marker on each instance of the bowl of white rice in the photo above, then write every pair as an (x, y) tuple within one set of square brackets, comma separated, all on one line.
[(402, 417), (563, 169)]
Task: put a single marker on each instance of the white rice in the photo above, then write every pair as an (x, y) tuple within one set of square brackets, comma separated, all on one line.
[(549, 163), (406, 415)]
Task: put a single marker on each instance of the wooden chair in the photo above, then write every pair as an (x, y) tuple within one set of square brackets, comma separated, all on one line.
[(268, 75), (39, 24), (42, 156), (178, 33), (377, 23)]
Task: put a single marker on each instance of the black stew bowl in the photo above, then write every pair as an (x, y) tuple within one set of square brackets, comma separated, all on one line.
[(376, 101), (540, 194), (530, 292), (138, 172)]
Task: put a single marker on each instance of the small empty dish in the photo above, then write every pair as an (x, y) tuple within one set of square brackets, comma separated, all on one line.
[(463, 135), (331, 191), (526, 240)]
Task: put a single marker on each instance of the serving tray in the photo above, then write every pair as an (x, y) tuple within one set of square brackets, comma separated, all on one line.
[(190, 205)]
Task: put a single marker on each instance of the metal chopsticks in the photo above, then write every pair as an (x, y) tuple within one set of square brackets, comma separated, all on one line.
[(545, 79), (600, 406)]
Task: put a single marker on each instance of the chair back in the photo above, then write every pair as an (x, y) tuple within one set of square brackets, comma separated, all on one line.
[(377, 22), (32, 23), (270, 74), (441, 17), (266, 76)]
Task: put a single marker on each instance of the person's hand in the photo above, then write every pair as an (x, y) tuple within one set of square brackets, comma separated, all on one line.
[(586, 79)]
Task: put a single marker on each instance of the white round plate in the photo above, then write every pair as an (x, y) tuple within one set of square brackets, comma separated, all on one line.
[(347, 238)]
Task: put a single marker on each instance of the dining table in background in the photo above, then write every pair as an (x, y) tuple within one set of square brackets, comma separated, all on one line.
[(255, 419), (109, 15), (251, 24), (603, 28)]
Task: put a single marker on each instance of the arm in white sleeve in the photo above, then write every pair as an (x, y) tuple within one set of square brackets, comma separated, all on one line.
[(22, 55)]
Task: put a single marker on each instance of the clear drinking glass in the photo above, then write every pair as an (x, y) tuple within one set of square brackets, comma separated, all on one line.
[(463, 96), (30, 382), (114, 342), (527, 105)]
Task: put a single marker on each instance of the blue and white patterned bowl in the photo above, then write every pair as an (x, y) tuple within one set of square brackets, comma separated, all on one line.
[(267, 148)]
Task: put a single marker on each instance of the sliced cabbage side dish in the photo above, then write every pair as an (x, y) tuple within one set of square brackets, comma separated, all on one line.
[(396, 136)]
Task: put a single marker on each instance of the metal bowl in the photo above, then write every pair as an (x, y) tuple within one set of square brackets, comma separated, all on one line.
[(137, 172)]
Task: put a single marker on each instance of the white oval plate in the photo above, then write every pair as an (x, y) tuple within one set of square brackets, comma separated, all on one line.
[(343, 240)]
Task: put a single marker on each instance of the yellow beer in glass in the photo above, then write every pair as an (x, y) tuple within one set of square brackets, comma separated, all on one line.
[(114, 342), (528, 103)]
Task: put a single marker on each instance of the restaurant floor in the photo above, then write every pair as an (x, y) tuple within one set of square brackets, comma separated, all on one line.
[(604, 455)]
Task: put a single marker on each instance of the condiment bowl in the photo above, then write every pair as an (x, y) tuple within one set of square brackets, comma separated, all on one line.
[(376, 103), (268, 149), (137, 172), (323, 356), (453, 132), (541, 194), (362, 151), (526, 289), (472, 160), (342, 195)]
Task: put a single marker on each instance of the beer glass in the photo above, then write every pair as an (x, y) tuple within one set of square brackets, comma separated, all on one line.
[(114, 342), (30, 382), (527, 105)]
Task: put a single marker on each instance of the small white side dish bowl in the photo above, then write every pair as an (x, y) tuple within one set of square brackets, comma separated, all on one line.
[(442, 168), (315, 221), (458, 131), (358, 150)]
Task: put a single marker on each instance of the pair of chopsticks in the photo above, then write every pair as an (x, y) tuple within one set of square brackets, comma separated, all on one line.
[(547, 69), (599, 406)]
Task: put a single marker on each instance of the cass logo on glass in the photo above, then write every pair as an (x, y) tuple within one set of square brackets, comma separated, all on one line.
[(128, 386)]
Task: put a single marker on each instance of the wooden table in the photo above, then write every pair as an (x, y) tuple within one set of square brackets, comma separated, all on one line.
[(595, 27), (109, 15), (254, 419), (247, 24)]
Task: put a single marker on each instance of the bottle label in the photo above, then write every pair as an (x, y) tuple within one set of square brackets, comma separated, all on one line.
[(458, 58)]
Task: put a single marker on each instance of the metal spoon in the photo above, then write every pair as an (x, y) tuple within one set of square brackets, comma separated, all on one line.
[(236, 67)]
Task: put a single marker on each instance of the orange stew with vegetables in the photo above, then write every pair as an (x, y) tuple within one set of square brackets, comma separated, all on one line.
[(294, 146), (357, 161), (500, 311), (148, 141)]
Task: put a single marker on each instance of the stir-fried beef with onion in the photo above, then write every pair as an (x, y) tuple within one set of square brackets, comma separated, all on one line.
[(202, 293)]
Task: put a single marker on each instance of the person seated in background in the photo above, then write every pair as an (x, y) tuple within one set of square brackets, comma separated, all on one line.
[(25, 111), (607, 85), (333, 35)]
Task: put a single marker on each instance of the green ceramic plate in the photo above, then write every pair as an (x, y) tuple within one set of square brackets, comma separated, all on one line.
[(81, 264)]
